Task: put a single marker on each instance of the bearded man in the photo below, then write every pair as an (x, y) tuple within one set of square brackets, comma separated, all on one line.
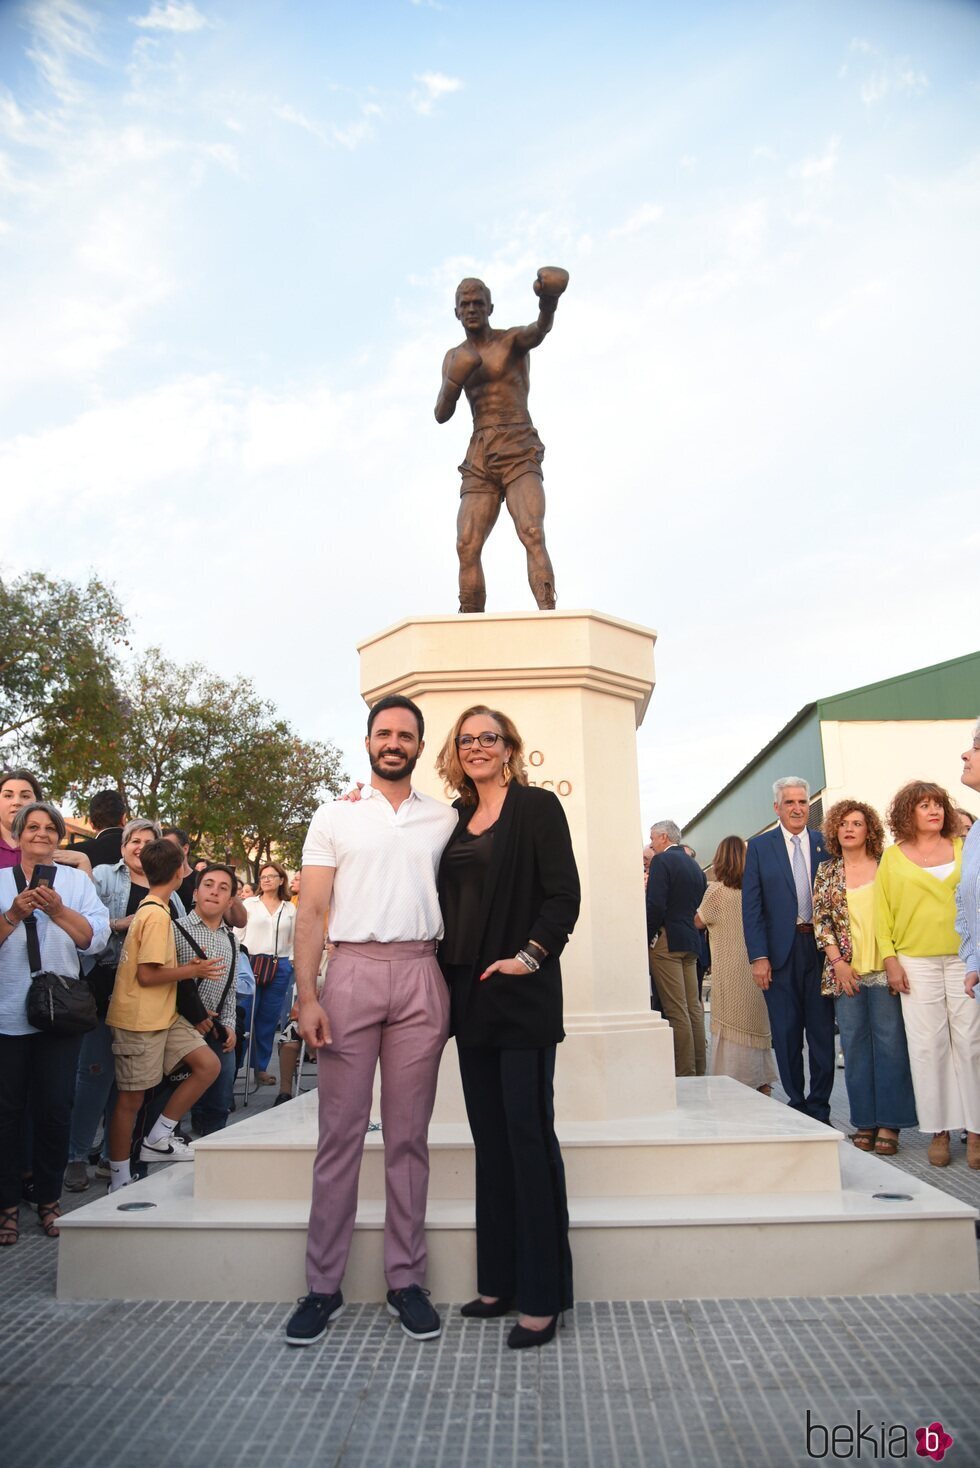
[(372, 865)]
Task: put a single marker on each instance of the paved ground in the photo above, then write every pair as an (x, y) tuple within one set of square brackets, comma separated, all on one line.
[(693, 1383)]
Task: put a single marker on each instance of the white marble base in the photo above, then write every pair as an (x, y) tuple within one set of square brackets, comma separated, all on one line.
[(728, 1195), (733, 1246), (721, 1138)]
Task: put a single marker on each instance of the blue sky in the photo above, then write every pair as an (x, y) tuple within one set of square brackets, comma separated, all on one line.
[(229, 239)]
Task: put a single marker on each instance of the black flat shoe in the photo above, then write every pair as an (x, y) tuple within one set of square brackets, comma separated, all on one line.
[(479, 1309), (520, 1337)]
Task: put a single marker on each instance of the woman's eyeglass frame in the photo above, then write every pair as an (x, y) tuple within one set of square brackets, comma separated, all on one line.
[(485, 740)]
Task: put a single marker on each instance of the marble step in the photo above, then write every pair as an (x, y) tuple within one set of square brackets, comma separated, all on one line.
[(857, 1240), (721, 1138)]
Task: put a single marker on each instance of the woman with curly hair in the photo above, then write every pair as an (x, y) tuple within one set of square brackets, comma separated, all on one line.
[(741, 1042), (869, 1014), (915, 923)]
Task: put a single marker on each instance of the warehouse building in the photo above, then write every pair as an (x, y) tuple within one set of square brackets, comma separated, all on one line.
[(861, 744)]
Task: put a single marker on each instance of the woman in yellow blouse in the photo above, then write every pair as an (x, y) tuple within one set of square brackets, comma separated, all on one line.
[(915, 923), (869, 1014)]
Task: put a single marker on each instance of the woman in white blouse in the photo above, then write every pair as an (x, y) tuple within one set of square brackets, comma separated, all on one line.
[(269, 940), (37, 1069)]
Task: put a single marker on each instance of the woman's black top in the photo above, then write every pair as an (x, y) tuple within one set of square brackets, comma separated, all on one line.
[(462, 880), (136, 895), (530, 892)]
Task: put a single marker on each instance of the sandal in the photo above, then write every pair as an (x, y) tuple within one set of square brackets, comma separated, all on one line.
[(886, 1146), (9, 1229), (864, 1138), (47, 1219)]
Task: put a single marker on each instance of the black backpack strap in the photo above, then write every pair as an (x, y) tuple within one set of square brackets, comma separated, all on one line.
[(30, 928), (232, 968), (187, 937)]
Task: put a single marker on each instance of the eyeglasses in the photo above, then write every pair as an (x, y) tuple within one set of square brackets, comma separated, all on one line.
[(485, 741)]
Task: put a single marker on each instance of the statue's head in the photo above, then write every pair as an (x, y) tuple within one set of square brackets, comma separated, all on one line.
[(473, 297)]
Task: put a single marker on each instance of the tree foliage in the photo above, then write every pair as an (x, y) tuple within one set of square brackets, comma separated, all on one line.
[(60, 706), (210, 755), (179, 743)]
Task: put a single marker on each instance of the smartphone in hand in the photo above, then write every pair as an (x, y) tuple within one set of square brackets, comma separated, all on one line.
[(42, 876)]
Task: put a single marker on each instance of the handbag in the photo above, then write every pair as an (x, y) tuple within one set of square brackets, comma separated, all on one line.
[(264, 964), (56, 1004), (101, 980)]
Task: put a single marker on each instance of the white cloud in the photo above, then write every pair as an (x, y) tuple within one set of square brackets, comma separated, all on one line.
[(63, 33), (435, 84), (896, 77), (172, 15), (823, 165), (286, 112), (349, 136), (646, 214), (889, 75)]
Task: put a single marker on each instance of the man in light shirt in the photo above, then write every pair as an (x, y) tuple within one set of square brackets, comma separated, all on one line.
[(777, 914), (372, 864)]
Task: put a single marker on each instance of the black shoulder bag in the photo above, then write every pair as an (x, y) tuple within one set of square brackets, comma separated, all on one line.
[(56, 1004)]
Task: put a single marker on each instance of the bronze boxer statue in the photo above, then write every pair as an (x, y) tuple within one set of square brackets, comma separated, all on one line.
[(503, 461)]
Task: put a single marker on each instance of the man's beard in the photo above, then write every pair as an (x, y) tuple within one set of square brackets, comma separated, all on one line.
[(401, 772)]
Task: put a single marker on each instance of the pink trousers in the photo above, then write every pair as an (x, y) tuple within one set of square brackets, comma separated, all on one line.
[(387, 1002)]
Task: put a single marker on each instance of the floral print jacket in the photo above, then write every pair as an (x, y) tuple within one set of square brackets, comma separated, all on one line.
[(831, 922)]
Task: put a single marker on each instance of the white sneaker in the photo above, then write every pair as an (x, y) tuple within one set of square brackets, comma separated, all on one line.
[(173, 1149)]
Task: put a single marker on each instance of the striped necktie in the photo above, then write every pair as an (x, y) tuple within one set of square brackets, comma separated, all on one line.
[(804, 897)]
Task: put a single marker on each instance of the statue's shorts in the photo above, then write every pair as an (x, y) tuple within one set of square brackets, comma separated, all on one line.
[(497, 456)]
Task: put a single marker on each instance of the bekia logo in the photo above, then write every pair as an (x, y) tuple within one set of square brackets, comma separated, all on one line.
[(874, 1440), (932, 1442)]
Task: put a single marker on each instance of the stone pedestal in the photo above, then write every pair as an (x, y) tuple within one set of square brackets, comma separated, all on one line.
[(700, 1190), (577, 685)]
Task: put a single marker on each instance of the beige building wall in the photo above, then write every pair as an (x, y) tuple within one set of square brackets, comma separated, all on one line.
[(870, 761)]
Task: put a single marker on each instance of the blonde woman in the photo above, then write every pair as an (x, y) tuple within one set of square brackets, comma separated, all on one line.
[(509, 893)]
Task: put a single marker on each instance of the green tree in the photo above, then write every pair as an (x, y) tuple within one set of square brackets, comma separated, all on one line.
[(60, 705), (210, 755)]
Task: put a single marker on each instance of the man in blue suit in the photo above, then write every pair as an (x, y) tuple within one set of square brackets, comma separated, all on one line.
[(777, 914), (675, 887)]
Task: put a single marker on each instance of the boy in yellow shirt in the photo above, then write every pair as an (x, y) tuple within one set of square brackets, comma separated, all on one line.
[(149, 1037)]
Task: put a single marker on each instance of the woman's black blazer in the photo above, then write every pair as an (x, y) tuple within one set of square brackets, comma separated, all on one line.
[(532, 891)]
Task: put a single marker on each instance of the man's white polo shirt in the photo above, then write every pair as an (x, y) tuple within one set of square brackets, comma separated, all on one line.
[(386, 865)]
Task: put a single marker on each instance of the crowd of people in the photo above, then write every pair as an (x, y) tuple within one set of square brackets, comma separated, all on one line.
[(438, 917), (451, 920), (163, 948), (812, 932)]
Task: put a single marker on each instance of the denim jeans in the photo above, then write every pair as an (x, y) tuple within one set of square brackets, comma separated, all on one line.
[(210, 1113), (876, 1058), (93, 1091), (269, 1001)]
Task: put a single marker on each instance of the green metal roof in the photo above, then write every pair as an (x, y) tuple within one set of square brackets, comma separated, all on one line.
[(949, 690), (944, 691)]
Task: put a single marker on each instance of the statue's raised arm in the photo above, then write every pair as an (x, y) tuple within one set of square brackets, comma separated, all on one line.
[(503, 461), (550, 283)]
